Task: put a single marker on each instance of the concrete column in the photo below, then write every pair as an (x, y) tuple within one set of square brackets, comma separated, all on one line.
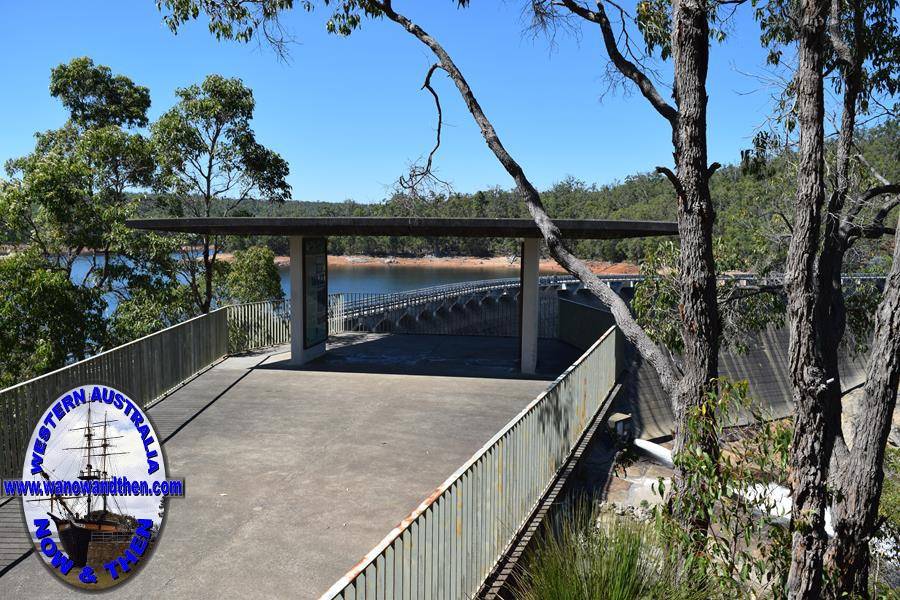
[(295, 270), (299, 354), (530, 298)]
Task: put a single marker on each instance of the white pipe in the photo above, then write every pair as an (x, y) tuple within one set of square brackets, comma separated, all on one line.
[(658, 453), (772, 493)]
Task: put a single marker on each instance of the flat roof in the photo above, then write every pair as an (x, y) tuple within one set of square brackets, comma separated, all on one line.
[(404, 226)]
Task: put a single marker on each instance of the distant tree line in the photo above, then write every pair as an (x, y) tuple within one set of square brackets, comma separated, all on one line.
[(748, 194)]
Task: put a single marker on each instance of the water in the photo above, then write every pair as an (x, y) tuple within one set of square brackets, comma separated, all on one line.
[(385, 279), (367, 278)]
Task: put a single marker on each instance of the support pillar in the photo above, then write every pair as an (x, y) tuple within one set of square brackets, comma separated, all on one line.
[(529, 297), (300, 354)]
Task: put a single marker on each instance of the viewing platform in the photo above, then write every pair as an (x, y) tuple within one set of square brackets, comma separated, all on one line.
[(293, 473)]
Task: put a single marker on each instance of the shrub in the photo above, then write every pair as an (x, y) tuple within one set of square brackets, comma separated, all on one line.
[(583, 554)]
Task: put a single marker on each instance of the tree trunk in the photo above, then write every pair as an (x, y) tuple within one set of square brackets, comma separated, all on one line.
[(860, 487), (555, 244), (810, 447), (699, 303), (207, 277), (836, 242)]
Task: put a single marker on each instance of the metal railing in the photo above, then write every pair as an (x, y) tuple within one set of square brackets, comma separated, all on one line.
[(258, 324), (399, 312), (448, 545), (261, 324), (362, 303), (146, 369)]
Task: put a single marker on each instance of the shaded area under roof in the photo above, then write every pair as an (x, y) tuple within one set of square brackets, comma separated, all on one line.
[(404, 226)]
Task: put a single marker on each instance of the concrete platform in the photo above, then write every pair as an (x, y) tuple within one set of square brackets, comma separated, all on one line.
[(292, 474)]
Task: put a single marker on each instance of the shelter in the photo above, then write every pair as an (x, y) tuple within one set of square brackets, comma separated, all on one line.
[(309, 271)]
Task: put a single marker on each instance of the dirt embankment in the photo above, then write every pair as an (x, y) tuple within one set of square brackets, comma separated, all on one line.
[(459, 262), (452, 262)]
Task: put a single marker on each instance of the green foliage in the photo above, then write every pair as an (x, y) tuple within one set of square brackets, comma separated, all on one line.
[(68, 200), (583, 555), (209, 163), (148, 310), (656, 299), (45, 319), (228, 19), (97, 98), (206, 149), (253, 276), (71, 194), (750, 552), (743, 310), (889, 508)]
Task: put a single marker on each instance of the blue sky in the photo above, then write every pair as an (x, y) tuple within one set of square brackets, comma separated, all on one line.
[(348, 114)]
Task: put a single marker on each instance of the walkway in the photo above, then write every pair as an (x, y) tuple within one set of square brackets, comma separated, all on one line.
[(292, 474)]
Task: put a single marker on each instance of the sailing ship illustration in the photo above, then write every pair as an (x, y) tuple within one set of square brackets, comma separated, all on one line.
[(92, 527)]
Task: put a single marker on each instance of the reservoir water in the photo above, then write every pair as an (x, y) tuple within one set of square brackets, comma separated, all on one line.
[(386, 278), (372, 278)]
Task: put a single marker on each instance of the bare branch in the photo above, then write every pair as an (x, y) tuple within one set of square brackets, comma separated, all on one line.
[(749, 292), (417, 175), (679, 189), (785, 220), (879, 190), (876, 228), (625, 66), (875, 173)]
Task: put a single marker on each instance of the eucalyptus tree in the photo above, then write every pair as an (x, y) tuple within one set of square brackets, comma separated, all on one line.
[(67, 200), (95, 97), (253, 277), (857, 41), (864, 40), (209, 162), (681, 30), (45, 319), (67, 196)]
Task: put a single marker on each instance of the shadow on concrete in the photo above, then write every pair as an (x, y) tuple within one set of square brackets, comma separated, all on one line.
[(434, 355)]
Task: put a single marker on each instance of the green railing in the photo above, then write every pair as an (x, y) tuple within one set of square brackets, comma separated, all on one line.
[(448, 546), (146, 369), (258, 325)]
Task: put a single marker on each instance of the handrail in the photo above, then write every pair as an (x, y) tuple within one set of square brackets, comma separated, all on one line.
[(147, 369), (450, 542), (103, 353)]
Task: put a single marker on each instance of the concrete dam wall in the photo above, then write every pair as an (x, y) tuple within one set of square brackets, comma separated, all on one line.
[(765, 366)]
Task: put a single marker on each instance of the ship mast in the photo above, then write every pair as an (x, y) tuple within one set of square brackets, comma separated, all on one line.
[(89, 473), (88, 435), (105, 446)]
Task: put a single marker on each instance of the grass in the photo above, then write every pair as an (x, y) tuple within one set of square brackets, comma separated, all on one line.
[(583, 555), (890, 493)]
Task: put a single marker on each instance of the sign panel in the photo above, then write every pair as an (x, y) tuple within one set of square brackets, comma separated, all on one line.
[(315, 296)]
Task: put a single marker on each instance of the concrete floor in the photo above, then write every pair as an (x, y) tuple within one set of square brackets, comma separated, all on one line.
[(293, 474)]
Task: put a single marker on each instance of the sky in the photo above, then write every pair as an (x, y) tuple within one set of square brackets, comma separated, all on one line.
[(348, 114)]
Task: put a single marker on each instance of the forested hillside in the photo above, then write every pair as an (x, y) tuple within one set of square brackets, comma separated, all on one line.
[(749, 195)]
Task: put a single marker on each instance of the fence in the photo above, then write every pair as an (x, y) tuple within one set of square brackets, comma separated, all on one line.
[(487, 307), (151, 366), (258, 324), (451, 542), (146, 369)]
